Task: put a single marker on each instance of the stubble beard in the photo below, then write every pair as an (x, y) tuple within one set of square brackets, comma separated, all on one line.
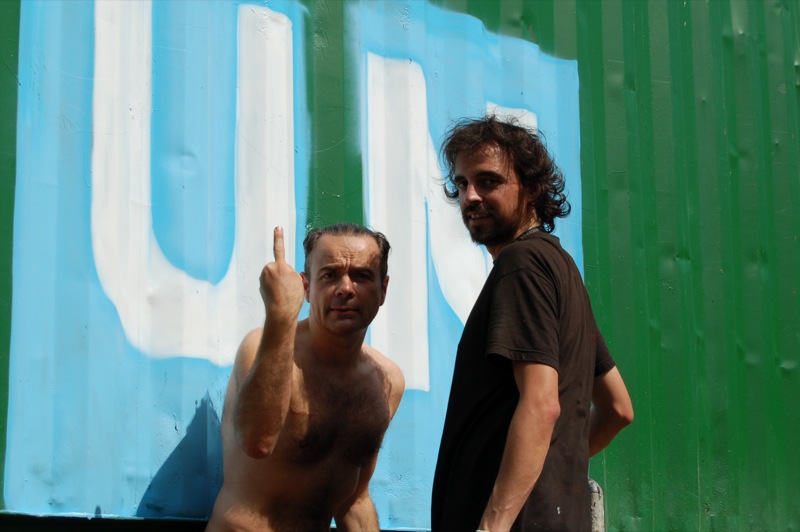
[(499, 231)]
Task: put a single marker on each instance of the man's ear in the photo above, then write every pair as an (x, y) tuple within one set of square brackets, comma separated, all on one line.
[(383, 289), (533, 193), (306, 284)]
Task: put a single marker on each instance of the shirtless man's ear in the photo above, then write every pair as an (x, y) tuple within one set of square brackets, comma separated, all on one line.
[(305, 285), (383, 289)]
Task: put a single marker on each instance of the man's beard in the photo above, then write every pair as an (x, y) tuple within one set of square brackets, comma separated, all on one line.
[(500, 231)]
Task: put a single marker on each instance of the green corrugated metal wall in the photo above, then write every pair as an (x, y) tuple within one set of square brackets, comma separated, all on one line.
[(691, 173)]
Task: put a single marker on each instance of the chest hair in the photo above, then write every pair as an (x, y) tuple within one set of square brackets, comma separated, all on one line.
[(342, 416)]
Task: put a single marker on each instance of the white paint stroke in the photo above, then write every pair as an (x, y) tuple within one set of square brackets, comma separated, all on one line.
[(403, 178), (524, 117), (461, 265), (164, 312), (395, 183)]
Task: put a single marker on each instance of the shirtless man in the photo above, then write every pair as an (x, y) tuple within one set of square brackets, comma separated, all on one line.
[(308, 402)]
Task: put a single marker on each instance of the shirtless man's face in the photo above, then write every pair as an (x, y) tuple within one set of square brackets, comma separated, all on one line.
[(344, 286)]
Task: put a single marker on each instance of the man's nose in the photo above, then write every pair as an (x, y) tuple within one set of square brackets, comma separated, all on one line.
[(345, 286), (470, 194)]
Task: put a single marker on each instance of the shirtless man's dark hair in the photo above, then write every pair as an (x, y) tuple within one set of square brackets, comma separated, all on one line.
[(308, 403), (348, 228)]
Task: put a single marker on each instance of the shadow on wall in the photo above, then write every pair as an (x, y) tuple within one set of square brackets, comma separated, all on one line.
[(187, 483)]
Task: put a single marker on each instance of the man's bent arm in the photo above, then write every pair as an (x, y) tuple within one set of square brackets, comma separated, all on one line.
[(612, 410), (527, 444), (264, 366), (358, 513), (264, 386), (361, 517)]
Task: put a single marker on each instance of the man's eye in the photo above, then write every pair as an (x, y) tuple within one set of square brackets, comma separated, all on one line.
[(460, 185)]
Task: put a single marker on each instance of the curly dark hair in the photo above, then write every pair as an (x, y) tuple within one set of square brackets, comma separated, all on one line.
[(348, 229), (527, 154)]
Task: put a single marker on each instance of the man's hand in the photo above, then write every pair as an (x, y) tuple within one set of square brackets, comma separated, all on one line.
[(281, 286), (264, 364)]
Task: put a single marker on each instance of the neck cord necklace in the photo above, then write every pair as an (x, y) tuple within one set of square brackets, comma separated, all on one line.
[(529, 232)]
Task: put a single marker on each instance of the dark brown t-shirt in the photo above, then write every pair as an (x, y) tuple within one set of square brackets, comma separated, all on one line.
[(533, 308)]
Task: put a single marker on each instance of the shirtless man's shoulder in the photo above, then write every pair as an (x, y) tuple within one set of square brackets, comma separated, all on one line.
[(394, 380)]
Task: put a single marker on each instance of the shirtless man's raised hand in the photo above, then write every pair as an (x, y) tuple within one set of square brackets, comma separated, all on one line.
[(308, 403)]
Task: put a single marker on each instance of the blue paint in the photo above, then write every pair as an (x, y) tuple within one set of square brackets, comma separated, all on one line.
[(79, 392), (193, 131), (192, 134), (402, 482), (94, 424)]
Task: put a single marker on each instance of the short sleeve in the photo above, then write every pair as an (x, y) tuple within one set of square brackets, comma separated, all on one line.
[(603, 361), (524, 318)]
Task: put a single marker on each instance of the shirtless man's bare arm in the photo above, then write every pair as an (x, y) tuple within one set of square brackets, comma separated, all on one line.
[(358, 513), (264, 365)]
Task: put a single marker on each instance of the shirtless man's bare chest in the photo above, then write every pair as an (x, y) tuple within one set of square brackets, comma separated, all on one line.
[(338, 416), (333, 429)]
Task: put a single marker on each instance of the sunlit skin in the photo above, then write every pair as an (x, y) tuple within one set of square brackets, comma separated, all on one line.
[(308, 403), (344, 286), (494, 204)]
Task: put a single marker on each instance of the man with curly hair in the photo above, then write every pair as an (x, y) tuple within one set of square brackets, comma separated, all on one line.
[(535, 391)]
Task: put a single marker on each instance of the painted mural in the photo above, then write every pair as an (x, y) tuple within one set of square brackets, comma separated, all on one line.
[(162, 142)]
